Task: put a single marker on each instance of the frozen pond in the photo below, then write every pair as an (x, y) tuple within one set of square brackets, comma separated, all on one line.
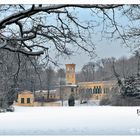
[(84, 120)]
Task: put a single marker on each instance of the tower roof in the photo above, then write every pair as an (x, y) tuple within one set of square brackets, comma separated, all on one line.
[(71, 65)]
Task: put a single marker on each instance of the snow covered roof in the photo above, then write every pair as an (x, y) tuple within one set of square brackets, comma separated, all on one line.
[(99, 82), (67, 86), (26, 92), (45, 91)]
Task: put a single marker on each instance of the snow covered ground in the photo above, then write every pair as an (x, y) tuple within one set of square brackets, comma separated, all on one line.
[(85, 120)]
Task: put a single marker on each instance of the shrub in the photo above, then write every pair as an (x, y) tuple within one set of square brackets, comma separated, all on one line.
[(119, 100), (105, 101)]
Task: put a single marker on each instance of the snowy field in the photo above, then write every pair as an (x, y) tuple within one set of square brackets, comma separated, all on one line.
[(85, 120)]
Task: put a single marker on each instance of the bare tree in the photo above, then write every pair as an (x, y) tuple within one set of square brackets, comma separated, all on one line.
[(27, 28), (62, 82), (132, 30), (49, 79), (88, 71), (61, 76)]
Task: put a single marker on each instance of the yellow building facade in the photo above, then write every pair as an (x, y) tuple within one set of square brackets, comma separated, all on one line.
[(25, 98), (97, 89)]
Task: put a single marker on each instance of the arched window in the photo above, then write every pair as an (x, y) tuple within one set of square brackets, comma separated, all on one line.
[(90, 90), (93, 91), (96, 90), (100, 89)]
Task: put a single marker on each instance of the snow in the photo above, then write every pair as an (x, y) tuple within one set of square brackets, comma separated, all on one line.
[(84, 120)]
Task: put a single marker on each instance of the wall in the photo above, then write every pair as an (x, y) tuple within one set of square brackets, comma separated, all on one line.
[(97, 89)]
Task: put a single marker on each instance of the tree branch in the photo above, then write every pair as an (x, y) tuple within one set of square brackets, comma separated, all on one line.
[(13, 18), (38, 53)]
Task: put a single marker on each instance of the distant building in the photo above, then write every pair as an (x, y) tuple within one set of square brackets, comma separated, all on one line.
[(25, 98), (53, 95)]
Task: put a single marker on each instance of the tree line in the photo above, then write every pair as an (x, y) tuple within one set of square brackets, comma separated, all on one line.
[(19, 72), (103, 70)]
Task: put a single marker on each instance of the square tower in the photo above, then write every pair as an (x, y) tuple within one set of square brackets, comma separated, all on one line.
[(70, 74)]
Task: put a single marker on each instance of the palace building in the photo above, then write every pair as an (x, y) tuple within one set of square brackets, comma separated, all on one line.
[(96, 89)]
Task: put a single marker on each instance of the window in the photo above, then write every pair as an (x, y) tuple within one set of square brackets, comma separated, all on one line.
[(96, 90), (28, 101), (100, 89), (90, 91), (22, 100)]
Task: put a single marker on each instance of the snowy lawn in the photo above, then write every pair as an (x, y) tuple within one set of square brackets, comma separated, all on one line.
[(91, 120)]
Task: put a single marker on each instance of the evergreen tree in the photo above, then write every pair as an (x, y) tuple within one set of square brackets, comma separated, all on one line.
[(131, 86)]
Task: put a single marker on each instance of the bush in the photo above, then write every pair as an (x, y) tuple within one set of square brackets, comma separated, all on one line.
[(105, 101), (119, 100)]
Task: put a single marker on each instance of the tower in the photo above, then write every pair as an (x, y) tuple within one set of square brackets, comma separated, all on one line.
[(70, 74)]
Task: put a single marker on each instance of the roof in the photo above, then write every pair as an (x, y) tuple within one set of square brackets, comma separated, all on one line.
[(98, 82), (38, 91), (26, 92), (67, 86)]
